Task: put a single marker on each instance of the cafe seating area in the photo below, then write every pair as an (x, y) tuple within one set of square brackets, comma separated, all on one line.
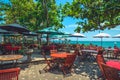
[(61, 61), (59, 65)]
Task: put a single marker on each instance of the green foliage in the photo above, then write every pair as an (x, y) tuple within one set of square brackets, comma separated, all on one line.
[(35, 15), (100, 14)]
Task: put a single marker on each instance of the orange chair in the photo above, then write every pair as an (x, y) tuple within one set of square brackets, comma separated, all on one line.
[(100, 59), (110, 72), (67, 65), (9, 74)]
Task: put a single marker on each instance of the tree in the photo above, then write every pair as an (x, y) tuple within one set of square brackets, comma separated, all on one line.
[(35, 15), (96, 15)]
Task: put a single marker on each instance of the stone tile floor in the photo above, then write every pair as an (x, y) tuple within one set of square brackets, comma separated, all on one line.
[(83, 71)]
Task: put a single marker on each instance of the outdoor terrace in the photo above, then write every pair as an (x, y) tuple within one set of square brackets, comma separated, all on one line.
[(83, 70)]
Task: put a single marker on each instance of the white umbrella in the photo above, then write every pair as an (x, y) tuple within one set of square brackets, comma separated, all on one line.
[(77, 35), (116, 36), (102, 35)]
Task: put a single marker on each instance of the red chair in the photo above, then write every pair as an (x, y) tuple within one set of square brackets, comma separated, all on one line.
[(110, 72), (67, 65), (9, 74), (100, 59), (116, 52)]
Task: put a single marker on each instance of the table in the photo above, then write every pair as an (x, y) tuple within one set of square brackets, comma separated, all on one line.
[(114, 63), (109, 52), (9, 58), (29, 53), (89, 54), (59, 58), (90, 51), (60, 55)]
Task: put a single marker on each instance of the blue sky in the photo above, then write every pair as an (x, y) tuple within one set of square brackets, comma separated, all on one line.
[(70, 26)]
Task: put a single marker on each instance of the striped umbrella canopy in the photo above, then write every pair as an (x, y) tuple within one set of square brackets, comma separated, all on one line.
[(78, 35), (102, 35)]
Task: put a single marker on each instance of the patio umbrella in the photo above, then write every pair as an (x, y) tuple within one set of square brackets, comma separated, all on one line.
[(77, 35), (101, 35), (4, 31), (116, 36), (49, 31), (14, 27), (30, 34)]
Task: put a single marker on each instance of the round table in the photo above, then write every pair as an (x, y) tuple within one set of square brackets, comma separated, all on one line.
[(60, 55), (89, 51), (10, 57), (90, 54)]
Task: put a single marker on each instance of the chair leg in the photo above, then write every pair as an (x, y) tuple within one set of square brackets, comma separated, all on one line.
[(64, 71), (101, 76)]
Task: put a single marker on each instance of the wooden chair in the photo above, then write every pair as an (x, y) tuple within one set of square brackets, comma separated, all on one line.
[(9, 74), (100, 59), (49, 63), (110, 72), (67, 65)]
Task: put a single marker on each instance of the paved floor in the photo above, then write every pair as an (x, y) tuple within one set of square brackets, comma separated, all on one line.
[(84, 70)]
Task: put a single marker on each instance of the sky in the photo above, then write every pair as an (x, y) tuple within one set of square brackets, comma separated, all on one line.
[(70, 25)]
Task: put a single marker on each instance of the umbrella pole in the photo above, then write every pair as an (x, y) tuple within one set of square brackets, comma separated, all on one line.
[(77, 40), (101, 42), (47, 38)]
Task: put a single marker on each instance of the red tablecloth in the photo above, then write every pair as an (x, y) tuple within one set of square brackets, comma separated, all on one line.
[(114, 63), (15, 48)]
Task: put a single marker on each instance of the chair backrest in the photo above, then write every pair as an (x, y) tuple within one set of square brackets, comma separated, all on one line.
[(53, 51), (76, 52), (70, 60), (100, 59), (110, 72), (9, 74)]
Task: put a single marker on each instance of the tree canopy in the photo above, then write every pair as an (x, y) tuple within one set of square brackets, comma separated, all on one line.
[(35, 14), (39, 14), (96, 14)]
